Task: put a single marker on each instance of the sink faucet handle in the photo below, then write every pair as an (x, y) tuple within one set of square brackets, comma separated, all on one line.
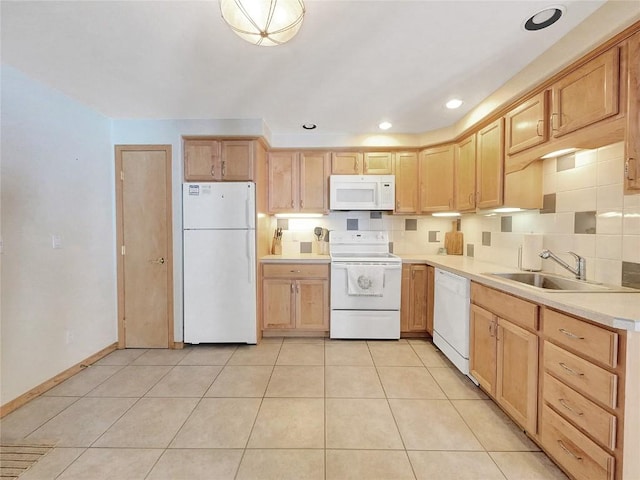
[(581, 266)]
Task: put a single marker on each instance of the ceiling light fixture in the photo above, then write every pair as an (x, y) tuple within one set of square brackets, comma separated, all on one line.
[(385, 125), (544, 18), (263, 22), (309, 126), (453, 103)]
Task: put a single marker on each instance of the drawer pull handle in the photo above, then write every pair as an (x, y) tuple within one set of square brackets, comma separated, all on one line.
[(570, 334), (570, 370), (564, 403), (562, 446)]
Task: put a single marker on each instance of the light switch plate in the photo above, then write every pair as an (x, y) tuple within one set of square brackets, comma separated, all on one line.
[(56, 241)]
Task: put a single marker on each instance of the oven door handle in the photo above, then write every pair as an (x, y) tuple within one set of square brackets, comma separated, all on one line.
[(387, 266)]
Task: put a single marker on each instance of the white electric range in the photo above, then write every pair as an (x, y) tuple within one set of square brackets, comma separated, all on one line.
[(365, 286)]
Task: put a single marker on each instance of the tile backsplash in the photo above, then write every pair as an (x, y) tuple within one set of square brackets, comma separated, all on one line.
[(585, 212)]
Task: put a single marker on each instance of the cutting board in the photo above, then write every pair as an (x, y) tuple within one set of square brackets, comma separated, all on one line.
[(453, 241)]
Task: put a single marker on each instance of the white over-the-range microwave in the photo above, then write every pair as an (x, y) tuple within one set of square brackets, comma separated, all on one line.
[(362, 192)]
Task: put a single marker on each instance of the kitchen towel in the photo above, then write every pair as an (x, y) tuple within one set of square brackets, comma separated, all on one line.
[(363, 280), (530, 255)]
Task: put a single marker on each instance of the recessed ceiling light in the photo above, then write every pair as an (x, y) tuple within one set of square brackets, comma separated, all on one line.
[(309, 126), (544, 18), (385, 125), (453, 103)]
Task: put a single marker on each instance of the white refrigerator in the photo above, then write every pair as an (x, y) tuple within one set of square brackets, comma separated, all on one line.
[(219, 262)]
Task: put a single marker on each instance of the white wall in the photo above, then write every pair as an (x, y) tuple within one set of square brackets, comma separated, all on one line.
[(58, 305)]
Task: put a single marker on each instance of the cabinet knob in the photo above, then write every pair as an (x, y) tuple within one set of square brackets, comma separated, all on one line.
[(224, 169), (213, 170), (540, 122)]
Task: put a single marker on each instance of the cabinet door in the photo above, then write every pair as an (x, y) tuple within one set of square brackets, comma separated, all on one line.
[(436, 179), (314, 182), (430, 290), (283, 185), (465, 174), (490, 165), (405, 298), (378, 163), (406, 168), (586, 95), (418, 296), (632, 143), (237, 160), (482, 348), (526, 125), (346, 163), (278, 307), (201, 160), (312, 302), (517, 373)]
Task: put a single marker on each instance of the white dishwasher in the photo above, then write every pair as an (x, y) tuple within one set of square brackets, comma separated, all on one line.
[(451, 318)]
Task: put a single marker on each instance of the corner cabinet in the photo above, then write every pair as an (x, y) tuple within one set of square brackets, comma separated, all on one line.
[(465, 174), (298, 182), (215, 160), (436, 179), (490, 165), (406, 171), (503, 352), (295, 296), (416, 308)]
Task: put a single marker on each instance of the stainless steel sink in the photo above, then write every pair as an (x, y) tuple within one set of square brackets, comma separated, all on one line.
[(555, 283)]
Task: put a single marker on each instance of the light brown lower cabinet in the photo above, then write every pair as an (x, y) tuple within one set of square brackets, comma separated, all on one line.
[(295, 297), (416, 310), (503, 358), (572, 385)]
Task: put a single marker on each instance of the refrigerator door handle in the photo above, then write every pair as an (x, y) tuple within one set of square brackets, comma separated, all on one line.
[(251, 267), (247, 210)]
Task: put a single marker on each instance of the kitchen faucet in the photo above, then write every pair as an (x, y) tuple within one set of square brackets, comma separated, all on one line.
[(580, 270)]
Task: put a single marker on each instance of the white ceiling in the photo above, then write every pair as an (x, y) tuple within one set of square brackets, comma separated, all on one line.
[(353, 64)]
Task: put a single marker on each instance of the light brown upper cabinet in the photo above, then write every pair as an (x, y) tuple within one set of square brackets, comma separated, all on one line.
[(378, 163), (465, 174), (436, 179), (490, 165), (526, 125), (406, 168), (347, 163), (218, 160), (632, 143), (586, 95), (298, 182), (358, 163)]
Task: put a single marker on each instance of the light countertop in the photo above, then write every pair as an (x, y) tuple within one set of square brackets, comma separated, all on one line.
[(617, 310), (298, 257)]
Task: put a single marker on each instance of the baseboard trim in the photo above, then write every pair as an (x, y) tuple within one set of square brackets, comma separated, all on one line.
[(52, 382)]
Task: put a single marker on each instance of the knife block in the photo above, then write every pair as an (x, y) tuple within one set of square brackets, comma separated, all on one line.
[(276, 246)]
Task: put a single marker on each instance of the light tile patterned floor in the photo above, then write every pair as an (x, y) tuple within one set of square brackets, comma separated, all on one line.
[(292, 408)]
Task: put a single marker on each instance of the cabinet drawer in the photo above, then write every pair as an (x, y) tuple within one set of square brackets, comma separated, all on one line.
[(511, 308), (597, 422), (577, 372), (295, 270), (574, 451), (591, 341)]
